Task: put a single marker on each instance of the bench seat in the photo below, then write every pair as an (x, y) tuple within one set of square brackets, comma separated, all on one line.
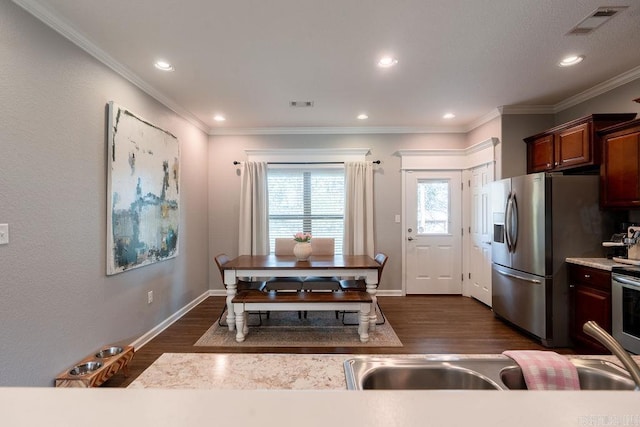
[(250, 300)]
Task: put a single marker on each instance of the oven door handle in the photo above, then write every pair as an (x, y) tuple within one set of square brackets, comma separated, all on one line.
[(625, 281)]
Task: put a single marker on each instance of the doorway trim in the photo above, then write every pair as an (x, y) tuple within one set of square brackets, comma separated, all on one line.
[(441, 159)]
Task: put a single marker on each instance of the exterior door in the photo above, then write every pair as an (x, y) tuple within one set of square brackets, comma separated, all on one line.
[(480, 234), (433, 218)]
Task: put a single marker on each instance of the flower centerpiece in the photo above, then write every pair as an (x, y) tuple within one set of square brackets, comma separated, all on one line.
[(302, 248), (301, 237)]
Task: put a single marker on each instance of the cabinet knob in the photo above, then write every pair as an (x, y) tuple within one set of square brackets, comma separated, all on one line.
[(556, 163), (548, 165), (587, 276)]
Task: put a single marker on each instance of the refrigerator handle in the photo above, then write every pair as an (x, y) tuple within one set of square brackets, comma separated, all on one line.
[(516, 276), (507, 223), (514, 229)]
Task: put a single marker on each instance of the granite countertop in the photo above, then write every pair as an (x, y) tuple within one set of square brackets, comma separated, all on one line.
[(600, 263), (310, 390), (269, 371)]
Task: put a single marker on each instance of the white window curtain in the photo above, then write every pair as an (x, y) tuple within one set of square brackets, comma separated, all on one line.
[(254, 210), (358, 212)]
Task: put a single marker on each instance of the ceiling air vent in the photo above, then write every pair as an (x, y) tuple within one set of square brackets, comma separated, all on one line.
[(301, 104), (595, 19)]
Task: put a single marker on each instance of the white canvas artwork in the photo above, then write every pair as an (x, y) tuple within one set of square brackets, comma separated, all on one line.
[(143, 194)]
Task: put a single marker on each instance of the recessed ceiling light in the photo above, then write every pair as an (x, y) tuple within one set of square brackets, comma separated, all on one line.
[(387, 61), (362, 116), (219, 118), (571, 60), (448, 116), (164, 66)]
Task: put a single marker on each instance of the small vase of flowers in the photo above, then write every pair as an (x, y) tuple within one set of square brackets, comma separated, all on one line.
[(302, 248)]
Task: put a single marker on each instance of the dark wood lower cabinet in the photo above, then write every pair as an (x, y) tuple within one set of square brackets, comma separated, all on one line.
[(590, 293)]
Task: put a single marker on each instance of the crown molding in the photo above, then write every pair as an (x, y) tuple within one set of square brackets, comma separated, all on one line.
[(59, 25), (484, 119), (333, 130), (599, 89), (527, 109)]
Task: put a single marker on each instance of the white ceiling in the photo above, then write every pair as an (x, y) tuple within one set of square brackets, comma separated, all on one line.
[(247, 59)]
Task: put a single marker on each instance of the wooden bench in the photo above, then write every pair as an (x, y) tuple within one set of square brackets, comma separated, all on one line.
[(252, 300)]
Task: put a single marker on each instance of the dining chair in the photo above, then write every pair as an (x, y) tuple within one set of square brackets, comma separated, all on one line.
[(283, 247), (360, 284), (242, 284), (322, 246)]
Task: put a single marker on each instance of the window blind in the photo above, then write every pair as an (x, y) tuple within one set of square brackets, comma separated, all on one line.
[(306, 199)]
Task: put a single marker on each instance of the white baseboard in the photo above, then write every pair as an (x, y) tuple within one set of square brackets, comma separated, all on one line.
[(144, 339), (389, 293)]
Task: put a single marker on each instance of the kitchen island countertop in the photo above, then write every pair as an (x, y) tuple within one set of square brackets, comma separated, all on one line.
[(300, 403)]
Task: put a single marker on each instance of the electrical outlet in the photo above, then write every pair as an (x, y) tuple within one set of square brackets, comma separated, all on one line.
[(149, 297), (4, 234)]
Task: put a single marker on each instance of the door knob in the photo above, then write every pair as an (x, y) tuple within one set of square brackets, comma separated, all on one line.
[(410, 239)]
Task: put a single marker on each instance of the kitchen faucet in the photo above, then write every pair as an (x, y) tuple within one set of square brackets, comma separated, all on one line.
[(593, 329)]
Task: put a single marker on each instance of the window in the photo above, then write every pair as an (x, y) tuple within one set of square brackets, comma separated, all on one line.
[(433, 207), (306, 199)]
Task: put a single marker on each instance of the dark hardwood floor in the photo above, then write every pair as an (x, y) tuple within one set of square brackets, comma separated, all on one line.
[(430, 324)]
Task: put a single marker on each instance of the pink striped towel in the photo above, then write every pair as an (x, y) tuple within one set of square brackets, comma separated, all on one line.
[(546, 370)]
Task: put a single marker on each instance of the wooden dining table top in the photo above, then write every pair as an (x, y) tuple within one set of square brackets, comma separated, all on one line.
[(279, 262)]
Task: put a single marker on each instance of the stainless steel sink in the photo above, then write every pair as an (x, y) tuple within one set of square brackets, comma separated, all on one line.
[(593, 375), (397, 373), (451, 373)]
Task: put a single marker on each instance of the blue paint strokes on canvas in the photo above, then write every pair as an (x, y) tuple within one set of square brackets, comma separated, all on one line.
[(129, 248)]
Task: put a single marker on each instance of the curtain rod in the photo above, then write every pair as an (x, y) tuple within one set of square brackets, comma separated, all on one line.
[(235, 162)]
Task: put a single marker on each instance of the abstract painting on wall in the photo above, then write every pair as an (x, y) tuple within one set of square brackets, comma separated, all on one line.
[(143, 192)]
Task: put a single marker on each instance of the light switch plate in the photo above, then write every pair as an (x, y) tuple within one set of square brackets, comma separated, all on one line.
[(4, 234)]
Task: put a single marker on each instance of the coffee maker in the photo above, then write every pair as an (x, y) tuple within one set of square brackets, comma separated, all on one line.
[(621, 245)]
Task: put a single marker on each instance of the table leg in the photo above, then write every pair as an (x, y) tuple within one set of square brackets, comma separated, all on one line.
[(363, 328), (372, 289), (231, 292), (240, 321)]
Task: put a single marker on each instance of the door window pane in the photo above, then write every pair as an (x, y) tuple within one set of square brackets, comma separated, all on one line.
[(433, 201)]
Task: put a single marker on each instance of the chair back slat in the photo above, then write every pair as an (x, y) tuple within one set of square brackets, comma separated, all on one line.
[(284, 246), (323, 246)]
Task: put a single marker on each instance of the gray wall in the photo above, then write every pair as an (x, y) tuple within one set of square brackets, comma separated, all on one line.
[(224, 186), (618, 100), (56, 303)]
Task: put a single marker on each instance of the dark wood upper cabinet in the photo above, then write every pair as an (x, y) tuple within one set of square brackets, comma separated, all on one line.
[(620, 172), (572, 145)]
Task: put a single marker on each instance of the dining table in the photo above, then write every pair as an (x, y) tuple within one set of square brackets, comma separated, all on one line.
[(267, 266)]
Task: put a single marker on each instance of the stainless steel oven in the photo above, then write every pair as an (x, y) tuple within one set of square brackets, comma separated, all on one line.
[(625, 297)]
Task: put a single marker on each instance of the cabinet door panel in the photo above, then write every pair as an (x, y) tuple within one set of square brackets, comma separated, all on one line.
[(621, 179), (540, 154), (573, 147), (591, 304)]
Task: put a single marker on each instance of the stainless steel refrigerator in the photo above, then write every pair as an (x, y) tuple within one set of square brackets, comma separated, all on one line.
[(538, 221)]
